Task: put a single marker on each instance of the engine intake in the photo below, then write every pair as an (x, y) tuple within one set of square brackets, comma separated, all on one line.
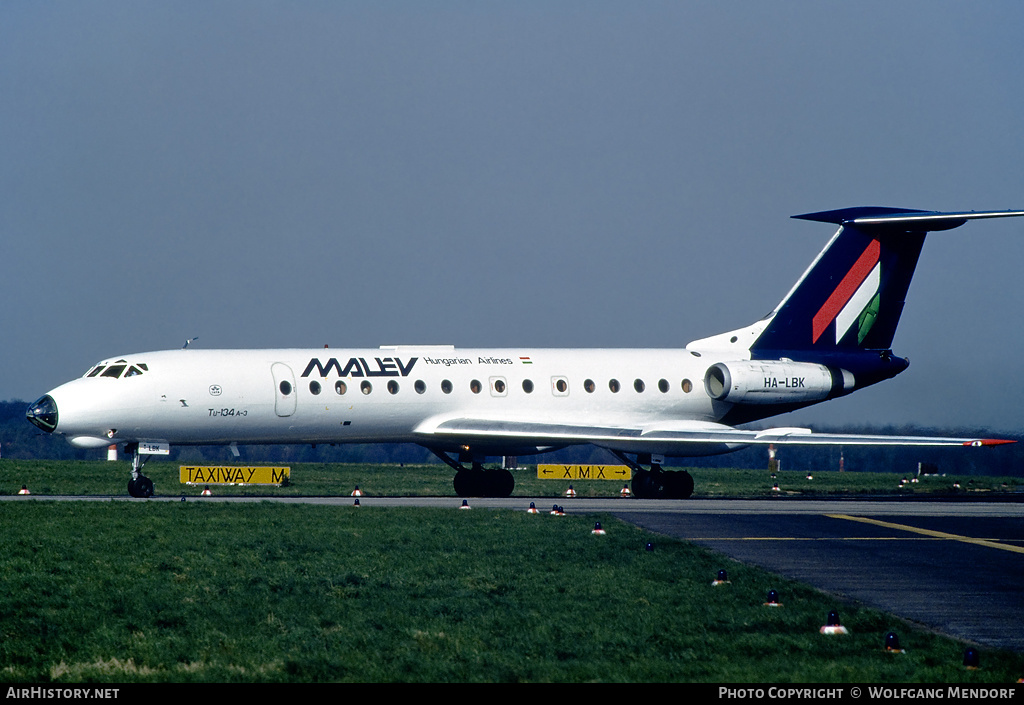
[(775, 382)]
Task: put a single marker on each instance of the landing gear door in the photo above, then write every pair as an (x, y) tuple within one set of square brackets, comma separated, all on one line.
[(284, 389)]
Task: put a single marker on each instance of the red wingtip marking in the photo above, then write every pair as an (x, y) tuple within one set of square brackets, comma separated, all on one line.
[(988, 442)]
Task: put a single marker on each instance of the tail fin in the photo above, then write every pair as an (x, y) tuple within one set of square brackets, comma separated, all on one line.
[(852, 295)]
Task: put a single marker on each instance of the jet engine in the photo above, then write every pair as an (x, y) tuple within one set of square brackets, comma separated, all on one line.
[(775, 382)]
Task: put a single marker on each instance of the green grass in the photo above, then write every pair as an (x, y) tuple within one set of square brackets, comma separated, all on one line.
[(115, 591), (73, 477), (193, 592)]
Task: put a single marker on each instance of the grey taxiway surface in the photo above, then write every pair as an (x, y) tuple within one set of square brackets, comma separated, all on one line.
[(957, 567)]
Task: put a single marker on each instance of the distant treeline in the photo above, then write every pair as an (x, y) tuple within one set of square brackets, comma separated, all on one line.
[(21, 440)]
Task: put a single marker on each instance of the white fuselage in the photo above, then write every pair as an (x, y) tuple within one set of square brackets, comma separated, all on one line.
[(391, 394)]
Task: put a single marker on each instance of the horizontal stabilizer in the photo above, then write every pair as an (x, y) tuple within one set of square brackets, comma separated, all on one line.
[(871, 217)]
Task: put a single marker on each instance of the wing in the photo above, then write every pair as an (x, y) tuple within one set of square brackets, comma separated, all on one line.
[(677, 439)]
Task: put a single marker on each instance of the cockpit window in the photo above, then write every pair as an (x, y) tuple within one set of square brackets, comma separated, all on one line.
[(117, 368)]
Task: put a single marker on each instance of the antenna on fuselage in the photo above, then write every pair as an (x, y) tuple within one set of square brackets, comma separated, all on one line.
[(189, 341)]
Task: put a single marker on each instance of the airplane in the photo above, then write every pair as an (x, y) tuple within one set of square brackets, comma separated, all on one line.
[(831, 335)]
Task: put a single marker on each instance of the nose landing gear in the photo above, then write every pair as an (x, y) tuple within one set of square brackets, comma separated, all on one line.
[(139, 486)]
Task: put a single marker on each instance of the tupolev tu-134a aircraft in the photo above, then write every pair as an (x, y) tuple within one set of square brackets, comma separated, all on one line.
[(830, 336)]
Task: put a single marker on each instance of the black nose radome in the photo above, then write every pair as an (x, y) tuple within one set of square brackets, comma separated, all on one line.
[(43, 413)]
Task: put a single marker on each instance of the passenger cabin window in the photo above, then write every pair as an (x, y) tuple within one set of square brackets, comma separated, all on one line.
[(638, 385), (420, 386), (559, 386), (589, 386), (528, 386), (663, 385), (340, 387), (365, 387), (392, 386), (446, 386), (475, 386), (613, 384), (314, 387), (687, 386)]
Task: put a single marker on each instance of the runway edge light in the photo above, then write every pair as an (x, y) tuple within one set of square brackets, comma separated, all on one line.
[(772, 599), (832, 625), (598, 530), (972, 659), (722, 579), (892, 643)]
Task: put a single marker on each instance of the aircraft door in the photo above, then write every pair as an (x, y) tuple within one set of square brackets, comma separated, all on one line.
[(284, 389)]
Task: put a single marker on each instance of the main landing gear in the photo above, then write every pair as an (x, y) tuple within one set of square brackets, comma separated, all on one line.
[(657, 483), (140, 485), (477, 481)]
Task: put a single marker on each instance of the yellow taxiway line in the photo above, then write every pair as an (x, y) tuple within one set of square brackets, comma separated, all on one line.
[(932, 534)]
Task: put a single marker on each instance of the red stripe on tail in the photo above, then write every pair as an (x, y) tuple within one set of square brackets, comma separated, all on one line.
[(846, 289)]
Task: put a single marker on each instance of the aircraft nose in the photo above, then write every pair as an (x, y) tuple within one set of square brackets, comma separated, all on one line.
[(43, 413)]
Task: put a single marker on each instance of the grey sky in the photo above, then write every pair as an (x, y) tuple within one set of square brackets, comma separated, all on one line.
[(555, 174)]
